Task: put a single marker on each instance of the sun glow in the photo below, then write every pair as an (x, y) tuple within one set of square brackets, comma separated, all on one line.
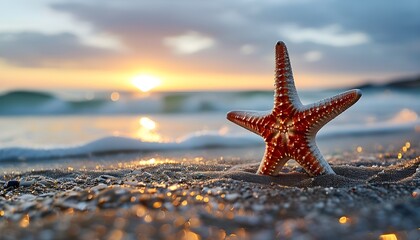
[(146, 82)]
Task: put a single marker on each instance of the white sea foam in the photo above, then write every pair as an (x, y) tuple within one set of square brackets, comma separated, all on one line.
[(197, 140), (114, 144)]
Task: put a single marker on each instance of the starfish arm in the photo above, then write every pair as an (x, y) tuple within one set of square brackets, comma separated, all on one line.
[(272, 162), (311, 159), (285, 95), (318, 114), (257, 122)]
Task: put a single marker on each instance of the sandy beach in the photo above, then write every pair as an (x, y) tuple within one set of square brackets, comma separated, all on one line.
[(371, 197)]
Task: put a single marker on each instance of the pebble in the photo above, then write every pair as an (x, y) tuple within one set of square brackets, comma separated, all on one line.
[(135, 184), (77, 189), (28, 206), (106, 178), (12, 184), (48, 194), (27, 197), (26, 183), (258, 207), (99, 187), (232, 196), (215, 191), (303, 198), (47, 183), (319, 205)]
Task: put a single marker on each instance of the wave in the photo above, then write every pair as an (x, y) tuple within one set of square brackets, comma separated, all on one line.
[(100, 103), (41, 103), (197, 140)]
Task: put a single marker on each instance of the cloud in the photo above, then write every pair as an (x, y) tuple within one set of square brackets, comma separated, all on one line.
[(35, 49), (189, 43), (313, 56), (103, 41), (332, 35), (322, 36)]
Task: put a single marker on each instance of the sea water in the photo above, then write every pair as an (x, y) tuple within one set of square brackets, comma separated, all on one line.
[(49, 126)]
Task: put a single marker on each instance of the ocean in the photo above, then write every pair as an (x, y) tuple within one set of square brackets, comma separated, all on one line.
[(63, 128)]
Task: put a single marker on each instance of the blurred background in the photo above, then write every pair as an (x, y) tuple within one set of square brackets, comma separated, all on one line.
[(196, 45), (73, 72)]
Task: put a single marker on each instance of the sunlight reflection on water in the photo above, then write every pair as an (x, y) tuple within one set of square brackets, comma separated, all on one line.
[(147, 130)]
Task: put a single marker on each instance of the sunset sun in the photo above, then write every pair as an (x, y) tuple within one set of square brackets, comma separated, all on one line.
[(145, 82)]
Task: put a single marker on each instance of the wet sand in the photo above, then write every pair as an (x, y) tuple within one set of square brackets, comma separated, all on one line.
[(369, 198)]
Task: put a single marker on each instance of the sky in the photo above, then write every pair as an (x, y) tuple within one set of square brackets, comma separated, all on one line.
[(204, 45)]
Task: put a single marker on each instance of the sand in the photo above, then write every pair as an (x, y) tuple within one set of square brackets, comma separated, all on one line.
[(369, 198)]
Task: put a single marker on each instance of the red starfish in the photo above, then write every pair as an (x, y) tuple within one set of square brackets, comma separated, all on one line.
[(289, 129)]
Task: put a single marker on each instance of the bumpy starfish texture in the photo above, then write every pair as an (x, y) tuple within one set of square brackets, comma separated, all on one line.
[(289, 130)]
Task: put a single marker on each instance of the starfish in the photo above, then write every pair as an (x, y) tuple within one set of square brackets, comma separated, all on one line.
[(289, 129)]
